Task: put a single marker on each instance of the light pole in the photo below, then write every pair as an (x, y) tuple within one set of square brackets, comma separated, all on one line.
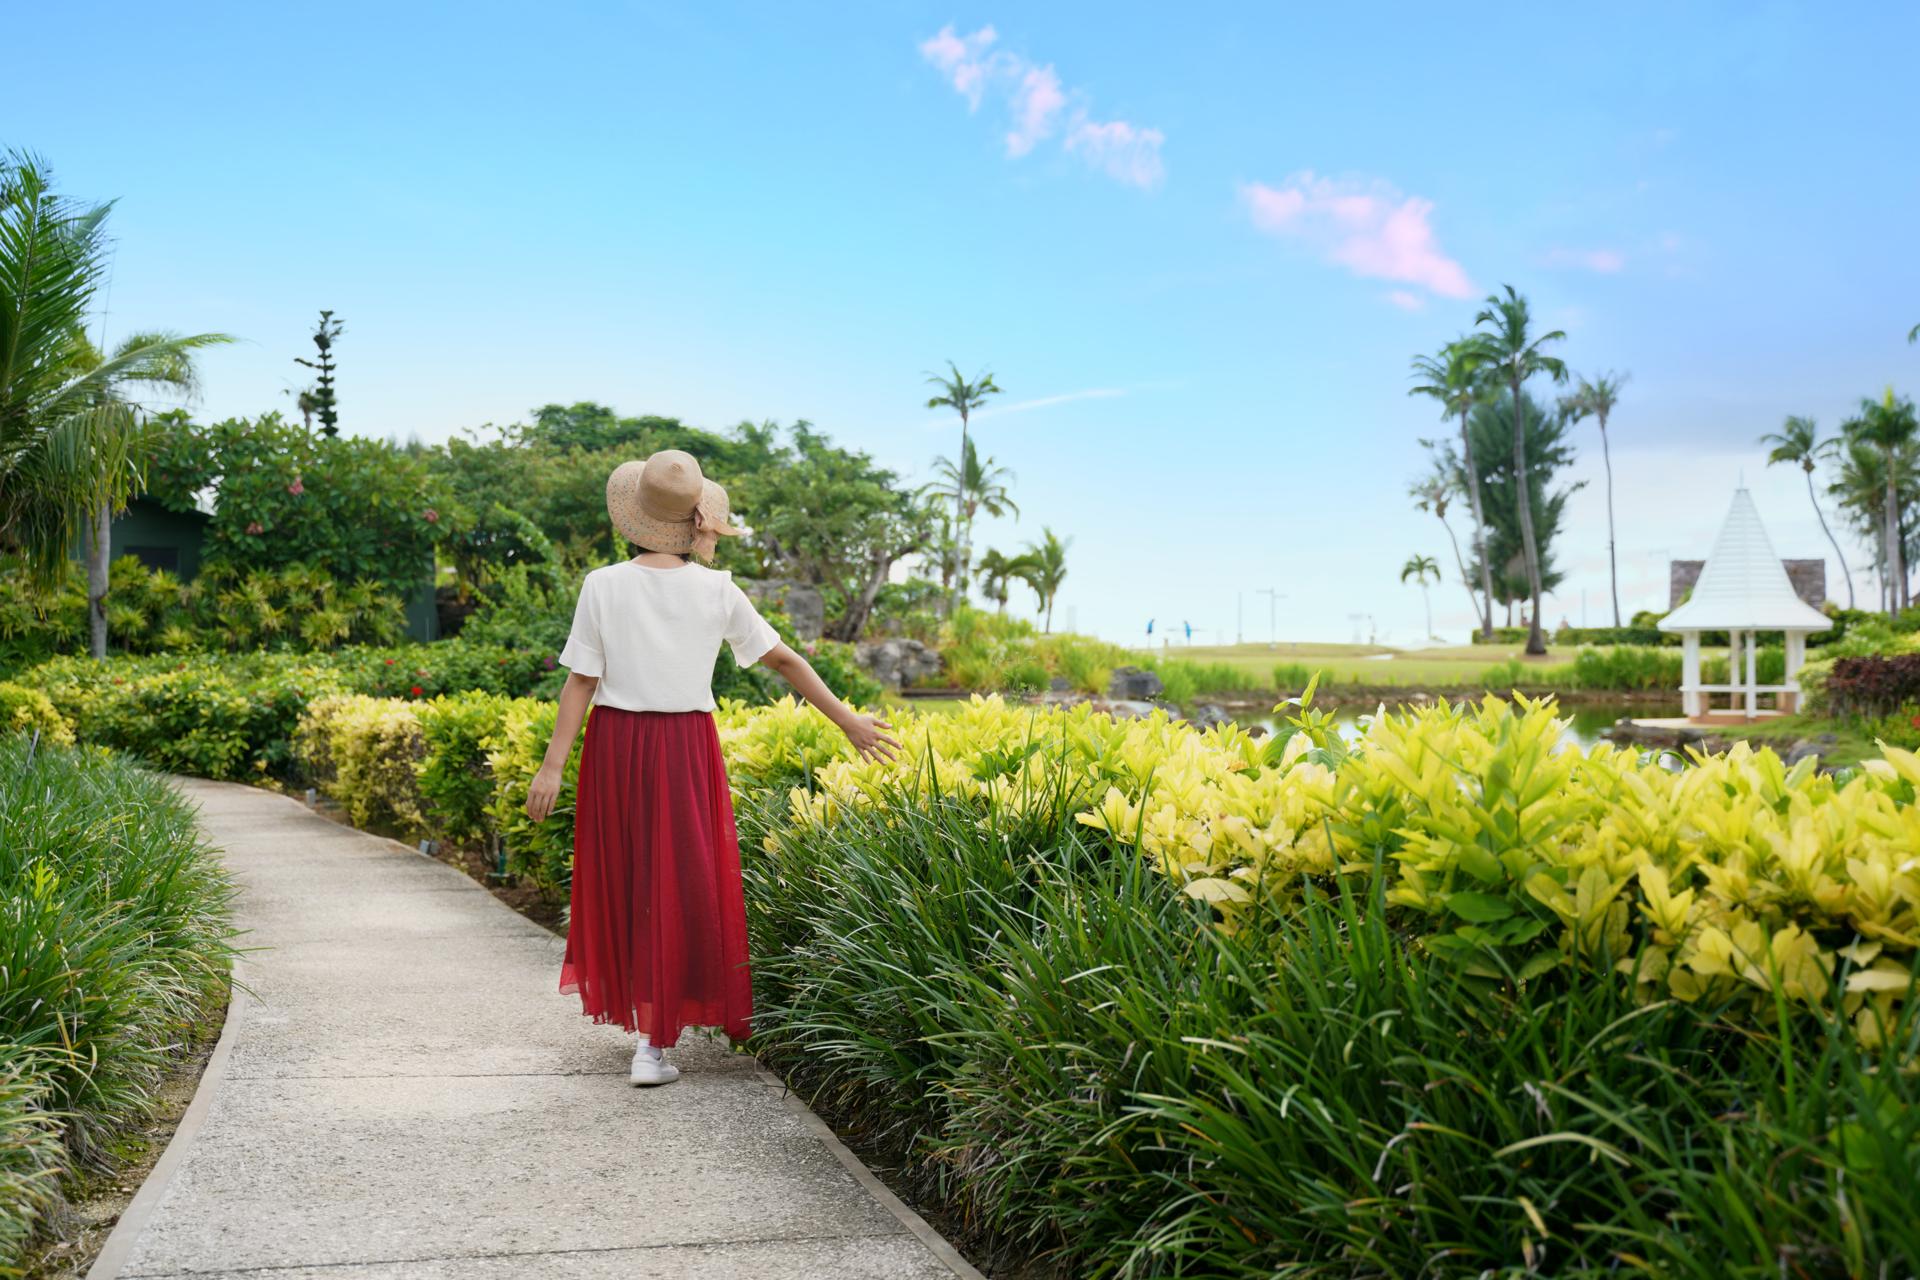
[(1274, 596)]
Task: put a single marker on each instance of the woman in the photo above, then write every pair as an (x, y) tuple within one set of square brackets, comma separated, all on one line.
[(657, 938)]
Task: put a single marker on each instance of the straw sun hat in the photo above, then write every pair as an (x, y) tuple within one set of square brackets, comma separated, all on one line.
[(665, 504)]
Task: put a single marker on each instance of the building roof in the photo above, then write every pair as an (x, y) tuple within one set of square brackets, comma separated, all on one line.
[(1744, 586)]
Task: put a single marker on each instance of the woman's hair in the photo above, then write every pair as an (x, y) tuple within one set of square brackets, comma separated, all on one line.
[(649, 551)]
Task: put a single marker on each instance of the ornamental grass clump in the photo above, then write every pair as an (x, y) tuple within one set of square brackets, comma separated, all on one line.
[(114, 947), (1045, 1038)]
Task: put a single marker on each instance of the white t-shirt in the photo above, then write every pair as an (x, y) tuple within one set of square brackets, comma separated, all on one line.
[(651, 635)]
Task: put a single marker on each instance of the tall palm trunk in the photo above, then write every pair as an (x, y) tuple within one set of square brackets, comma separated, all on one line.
[(1523, 498), (1465, 578), (1896, 570), (99, 544), (1807, 467), (959, 521), (1479, 532), (1613, 565)]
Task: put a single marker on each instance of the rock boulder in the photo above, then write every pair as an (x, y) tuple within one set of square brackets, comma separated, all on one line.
[(899, 662), (1133, 684)]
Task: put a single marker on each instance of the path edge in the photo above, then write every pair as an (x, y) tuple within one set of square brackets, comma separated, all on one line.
[(117, 1249), (915, 1225)]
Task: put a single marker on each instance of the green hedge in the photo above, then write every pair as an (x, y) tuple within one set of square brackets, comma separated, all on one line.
[(113, 948), (233, 715)]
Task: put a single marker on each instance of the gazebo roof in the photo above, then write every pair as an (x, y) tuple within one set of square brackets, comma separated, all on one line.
[(1744, 587)]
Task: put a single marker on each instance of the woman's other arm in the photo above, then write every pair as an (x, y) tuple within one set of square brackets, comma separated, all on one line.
[(575, 696)]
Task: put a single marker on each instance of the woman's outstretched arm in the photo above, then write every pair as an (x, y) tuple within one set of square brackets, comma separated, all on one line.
[(868, 734), (575, 696)]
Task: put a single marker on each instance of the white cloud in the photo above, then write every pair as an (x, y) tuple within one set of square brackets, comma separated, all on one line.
[(1036, 102), (1364, 225)]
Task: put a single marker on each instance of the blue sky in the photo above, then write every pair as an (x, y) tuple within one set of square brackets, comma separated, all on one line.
[(1197, 252)]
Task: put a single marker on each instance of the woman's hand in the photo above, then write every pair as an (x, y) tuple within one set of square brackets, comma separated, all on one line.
[(869, 738), (544, 790)]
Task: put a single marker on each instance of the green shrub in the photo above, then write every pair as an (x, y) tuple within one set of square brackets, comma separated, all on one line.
[(540, 851), (1292, 677), (233, 715), (454, 778), (27, 711), (362, 751), (114, 931), (297, 609)]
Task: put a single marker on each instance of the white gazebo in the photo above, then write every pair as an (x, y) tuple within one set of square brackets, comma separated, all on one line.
[(1743, 590)]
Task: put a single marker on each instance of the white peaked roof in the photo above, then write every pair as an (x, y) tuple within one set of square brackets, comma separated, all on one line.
[(1744, 586)]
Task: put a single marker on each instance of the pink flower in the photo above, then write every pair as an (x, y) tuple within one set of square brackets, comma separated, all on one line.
[(431, 516), (254, 528), (296, 488)]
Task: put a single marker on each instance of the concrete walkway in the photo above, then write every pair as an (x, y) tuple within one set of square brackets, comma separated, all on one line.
[(400, 1092)]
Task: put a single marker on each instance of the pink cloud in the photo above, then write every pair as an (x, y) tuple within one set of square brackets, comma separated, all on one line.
[(963, 58), (1605, 261), (1368, 227), (1036, 102), (1128, 154)]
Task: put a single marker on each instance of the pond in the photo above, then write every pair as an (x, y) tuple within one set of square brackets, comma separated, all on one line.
[(1586, 723)]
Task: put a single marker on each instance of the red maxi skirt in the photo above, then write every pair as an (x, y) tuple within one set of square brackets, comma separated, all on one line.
[(657, 939)]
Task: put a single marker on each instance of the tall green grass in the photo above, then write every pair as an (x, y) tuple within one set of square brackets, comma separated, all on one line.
[(113, 946), (1054, 1041)]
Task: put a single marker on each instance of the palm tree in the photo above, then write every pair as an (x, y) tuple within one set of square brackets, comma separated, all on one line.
[(1434, 492), (1517, 356), (1798, 441), (997, 571), (160, 360), (963, 397), (69, 437), (974, 486), (1420, 568), (1044, 567), (1888, 425), (1455, 379), (1597, 398)]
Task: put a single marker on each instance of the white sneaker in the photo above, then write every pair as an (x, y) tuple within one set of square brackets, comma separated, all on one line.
[(650, 1067)]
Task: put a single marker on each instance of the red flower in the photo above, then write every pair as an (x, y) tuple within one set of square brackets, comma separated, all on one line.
[(430, 516), (253, 527), (1916, 722), (296, 488), (416, 691), (389, 661)]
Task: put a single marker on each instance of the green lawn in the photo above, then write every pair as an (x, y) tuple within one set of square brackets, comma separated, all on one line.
[(1852, 747), (1367, 664)]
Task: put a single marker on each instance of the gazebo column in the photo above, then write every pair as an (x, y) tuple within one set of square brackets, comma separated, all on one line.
[(1796, 658), (1753, 673), (1690, 698)]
